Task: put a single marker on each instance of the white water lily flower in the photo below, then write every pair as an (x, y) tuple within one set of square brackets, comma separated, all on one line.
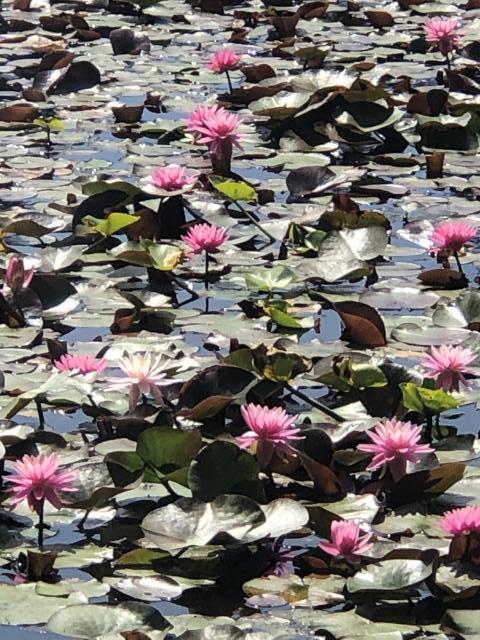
[(142, 375)]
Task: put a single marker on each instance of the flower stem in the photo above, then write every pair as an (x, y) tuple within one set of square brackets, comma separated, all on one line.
[(40, 524), (428, 427), (207, 262), (315, 403), (41, 416), (271, 481), (255, 222), (457, 260), (398, 468), (230, 88)]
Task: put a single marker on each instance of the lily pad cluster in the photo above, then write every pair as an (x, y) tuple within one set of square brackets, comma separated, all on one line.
[(239, 319)]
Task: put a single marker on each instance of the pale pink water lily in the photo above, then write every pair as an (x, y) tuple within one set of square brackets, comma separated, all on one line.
[(16, 276), (214, 125), (347, 540), (448, 365), (224, 60), (172, 177), (271, 431), (142, 375), (39, 478), (82, 363), (205, 237), (452, 236), (462, 521), (394, 444), (443, 33)]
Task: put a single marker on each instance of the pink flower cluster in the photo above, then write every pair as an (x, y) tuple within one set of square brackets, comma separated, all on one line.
[(394, 444), (443, 32), (205, 237), (347, 540), (462, 521), (448, 365), (82, 363), (213, 126), (224, 60), (38, 478), (270, 429), (171, 178)]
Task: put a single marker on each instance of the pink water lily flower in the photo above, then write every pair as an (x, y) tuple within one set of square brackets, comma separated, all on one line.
[(443, 32), (224, 60), (462, 521), (394, 444), (172, 177), (142, 375), (448, 365), (270, 430), (205, 237), (16, 276), (348, 542), (215, 125), (82, 363), (452, 236), (38, 478)]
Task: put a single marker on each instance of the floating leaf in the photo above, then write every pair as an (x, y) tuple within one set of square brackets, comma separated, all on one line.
[(112, 224), (234, 189), (390, 575), (186, 522), (165, 257), (427, 401), (90, 621), (270, 279), (363, 324), (55, 124), (222, 467)]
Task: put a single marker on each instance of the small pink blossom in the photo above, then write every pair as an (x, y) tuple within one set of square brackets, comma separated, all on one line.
[(205, 237), (394, 444), (443, 32), (16, 276), (347, 540), (38, 478), (82, 363), (452, 236), (270, 429), (225, 60), (215, 126), (462, 521), (171, 178), (448, 365), (142, 375)]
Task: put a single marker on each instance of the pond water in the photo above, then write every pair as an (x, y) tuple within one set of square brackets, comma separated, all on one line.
[(357, 138)]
